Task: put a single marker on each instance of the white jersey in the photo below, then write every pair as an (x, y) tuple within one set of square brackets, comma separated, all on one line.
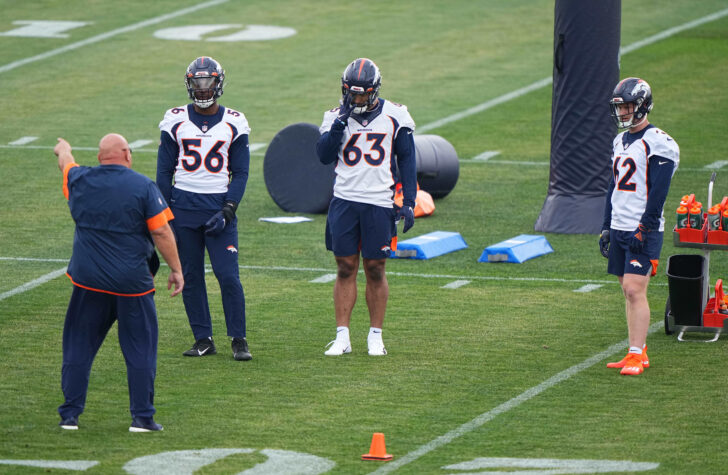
[(365, 168), (202, 164), (630, 168)]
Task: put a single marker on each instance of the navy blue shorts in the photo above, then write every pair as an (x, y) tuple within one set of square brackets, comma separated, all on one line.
[(622, 261), (352, 227)]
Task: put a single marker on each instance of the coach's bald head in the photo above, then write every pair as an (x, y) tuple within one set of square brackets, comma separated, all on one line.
[(114, 150)]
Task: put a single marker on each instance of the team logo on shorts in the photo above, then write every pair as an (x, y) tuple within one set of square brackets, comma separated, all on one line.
[(385, 248), (635, 263), (231, 248)]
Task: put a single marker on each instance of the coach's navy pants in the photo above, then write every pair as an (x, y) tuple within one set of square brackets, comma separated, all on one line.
[(189, 229), (88, 320)]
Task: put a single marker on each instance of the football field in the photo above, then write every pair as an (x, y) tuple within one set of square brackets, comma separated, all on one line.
[(492, 368)]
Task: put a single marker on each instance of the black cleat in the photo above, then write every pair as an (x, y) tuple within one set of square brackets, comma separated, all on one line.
[(70, 423), (240, 349), (202, 347), (144, 424)]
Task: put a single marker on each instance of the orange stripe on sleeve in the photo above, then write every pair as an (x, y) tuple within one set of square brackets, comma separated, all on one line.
[(65, 177), (160, 220)]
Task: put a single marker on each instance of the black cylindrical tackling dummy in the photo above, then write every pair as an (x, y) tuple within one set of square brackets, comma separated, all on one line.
[(586, 70), (438, 167), (296, 180), (299, 183)]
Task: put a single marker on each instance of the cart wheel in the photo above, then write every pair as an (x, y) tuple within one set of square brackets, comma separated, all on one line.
[(668, 309)]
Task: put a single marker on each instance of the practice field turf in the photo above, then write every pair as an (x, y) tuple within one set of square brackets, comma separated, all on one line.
[(504, 373)]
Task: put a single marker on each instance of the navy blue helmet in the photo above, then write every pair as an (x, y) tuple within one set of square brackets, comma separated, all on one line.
[(361, 77), (204, 79), (631, 91)]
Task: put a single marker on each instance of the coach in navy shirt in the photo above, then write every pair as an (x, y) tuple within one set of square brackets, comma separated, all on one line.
[(120, 215)]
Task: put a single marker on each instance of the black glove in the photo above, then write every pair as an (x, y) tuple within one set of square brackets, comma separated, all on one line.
[(604, 243), (215, 225), (408, 215), (219, 220), (637, 241), (345, 109), (228, 211)]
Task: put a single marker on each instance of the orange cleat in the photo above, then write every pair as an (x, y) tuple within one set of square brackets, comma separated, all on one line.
[(632, 365), (620, 364)]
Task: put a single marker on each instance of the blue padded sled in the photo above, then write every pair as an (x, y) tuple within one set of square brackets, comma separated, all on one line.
[(429, 245), (517, 249)]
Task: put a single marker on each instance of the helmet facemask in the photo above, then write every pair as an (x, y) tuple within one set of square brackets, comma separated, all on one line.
[(203, 90)]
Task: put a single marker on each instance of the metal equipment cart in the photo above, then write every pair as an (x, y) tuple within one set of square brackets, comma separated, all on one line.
[(689, 307)]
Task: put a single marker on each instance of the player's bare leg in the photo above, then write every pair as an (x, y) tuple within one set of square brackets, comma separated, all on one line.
[(344, 300), (377, 294)]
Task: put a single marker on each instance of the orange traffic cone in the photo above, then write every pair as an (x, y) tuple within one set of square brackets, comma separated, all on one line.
[(377, 450)]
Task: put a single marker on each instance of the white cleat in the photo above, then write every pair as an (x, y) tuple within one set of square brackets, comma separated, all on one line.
[(376, 347), (338, 348)]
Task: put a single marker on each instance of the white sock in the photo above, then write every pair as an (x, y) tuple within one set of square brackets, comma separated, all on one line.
[(375, 333), (635, 349), (342, 333)]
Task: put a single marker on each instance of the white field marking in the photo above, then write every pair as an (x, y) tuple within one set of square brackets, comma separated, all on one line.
[(79, 465), (486, 155), (256, 146), (547, 81), (553, 466), (455, 284), (43, 28), (23, 140), (33, 283), (323, 279), (139, 144), (507, 406), (588, 288), (32, 259), (397, 274), (717, 165), (109, 34)]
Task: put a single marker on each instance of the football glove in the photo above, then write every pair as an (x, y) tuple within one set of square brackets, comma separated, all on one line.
[(219, 220), (215, 225), (345, 109), (637, 240), (604, 243), (406, 213)]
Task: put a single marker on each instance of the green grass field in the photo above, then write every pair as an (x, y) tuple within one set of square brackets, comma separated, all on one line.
[(511, 365)]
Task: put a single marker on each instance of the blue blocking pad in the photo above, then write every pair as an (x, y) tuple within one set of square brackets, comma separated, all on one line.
[(429, 245), (517, 249)]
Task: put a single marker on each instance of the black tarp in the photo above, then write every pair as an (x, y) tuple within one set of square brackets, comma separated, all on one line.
[(586, 69)]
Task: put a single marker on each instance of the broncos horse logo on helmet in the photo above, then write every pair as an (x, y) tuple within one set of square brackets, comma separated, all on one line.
[(631, 91), (361, 77), (204, 79)]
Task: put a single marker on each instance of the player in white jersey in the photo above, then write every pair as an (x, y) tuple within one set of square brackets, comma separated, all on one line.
[(202, 171), (643, 162), (363, 136)]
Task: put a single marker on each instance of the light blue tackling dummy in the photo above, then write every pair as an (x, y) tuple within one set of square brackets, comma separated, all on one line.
[(517, 249), (429, 245)]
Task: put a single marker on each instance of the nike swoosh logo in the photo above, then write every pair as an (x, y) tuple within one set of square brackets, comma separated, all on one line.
[(200, 353), (662, 163)]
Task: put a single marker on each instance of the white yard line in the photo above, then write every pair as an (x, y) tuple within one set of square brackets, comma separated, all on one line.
[(108, 34), (506, 406), (33, 283), (455, 284), (588, 288), (547, 81), (323, 279), (23, 140)]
